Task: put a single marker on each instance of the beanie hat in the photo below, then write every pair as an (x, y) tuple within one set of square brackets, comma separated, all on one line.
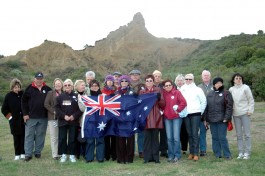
[(126, 77), (217, 79), (109, 78)]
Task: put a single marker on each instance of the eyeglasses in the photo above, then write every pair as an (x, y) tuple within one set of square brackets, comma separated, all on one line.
[(124, 81), (67, 85), (188, 79), (168, 85), (148, 80)]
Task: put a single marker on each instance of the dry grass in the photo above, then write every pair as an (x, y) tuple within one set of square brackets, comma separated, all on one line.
[(206, 166)]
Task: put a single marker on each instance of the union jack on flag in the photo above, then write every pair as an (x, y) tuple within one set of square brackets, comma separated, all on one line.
[(102, 105)]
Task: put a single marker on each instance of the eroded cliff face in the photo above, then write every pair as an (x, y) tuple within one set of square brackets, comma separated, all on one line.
[(131, 46)]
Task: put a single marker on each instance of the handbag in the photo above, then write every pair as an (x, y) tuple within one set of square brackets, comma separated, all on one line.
[(229, 126)]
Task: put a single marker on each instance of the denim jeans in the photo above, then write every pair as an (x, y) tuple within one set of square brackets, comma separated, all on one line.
[(219, 140), (173, 137), (90, 147), (203, 143), (140, 141), (242, 124), (35, 132), (192, 125)]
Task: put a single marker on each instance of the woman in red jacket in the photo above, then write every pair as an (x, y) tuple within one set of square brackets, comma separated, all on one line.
[(154, 122), (175, 103)]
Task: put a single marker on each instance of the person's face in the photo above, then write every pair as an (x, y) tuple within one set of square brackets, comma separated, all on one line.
[(157, 78), (16, 89), (135, 77), (218, 85), (38, 81), (88, 79), (68, 87), (149, 82), (94, 87), (124, 83), (81, 87), (58, 85), (206, 77), (109, 83), (168, 86), (238, 80), (188, 80), (180, 82)]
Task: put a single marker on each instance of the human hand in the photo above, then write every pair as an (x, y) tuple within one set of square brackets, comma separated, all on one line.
[(26, 118)]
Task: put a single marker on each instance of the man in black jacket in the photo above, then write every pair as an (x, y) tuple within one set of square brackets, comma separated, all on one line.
[(35, 116)]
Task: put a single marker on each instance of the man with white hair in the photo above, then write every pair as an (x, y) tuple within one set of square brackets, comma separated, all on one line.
[(90, 75), (206, 86)]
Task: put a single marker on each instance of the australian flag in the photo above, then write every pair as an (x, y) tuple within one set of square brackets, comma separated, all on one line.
[(119, 115)]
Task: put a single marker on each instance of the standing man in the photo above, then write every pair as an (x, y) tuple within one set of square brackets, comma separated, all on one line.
[(90, 75), (137, 85), (206, 86), (162, 132), (35, 116), (116, 76)]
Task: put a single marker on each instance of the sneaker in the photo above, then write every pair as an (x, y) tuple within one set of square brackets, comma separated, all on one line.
[(72, 158), (190, 157), (63, 158), (27, 158), (175, 160), (169, 160), (246, 156), (38, 156), (240, 156), (22, 156), (17, 157), (195, 158)]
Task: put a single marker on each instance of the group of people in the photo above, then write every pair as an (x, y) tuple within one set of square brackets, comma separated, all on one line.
[(167, 133)]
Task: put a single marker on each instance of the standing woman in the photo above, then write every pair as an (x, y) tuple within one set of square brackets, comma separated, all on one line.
[(125, 145), (218, 112), (184, 137), (154, 122), (92, 142), (243, 108), (196, 103), (11, 109), (68, 114), (49, 104), (173, 121), (110, 141)]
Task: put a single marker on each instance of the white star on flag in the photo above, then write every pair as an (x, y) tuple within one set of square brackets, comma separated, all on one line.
[(134, 129), (145, 108), (139, 101), (101, 126), (128, 113)]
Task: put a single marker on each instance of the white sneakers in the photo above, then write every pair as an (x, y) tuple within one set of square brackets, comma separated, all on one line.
[(243, 156), (64, 158), (17, 157), (72, 158), (22, 156)]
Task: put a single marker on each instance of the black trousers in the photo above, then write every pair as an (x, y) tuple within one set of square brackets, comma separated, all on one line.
[(163, 139), (63, 146), (19, 144), (110, 147), (184, 137), (125, 148), (151, 145)]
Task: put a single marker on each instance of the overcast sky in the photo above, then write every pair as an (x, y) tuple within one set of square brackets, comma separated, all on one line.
[(26, 24)]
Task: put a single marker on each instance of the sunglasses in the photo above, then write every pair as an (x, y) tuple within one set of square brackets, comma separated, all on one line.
[(188, 79), (67, 85), (168, 85), (124, 81), (148, 80)]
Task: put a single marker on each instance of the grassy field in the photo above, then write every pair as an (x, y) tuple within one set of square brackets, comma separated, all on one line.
[(205, 166)]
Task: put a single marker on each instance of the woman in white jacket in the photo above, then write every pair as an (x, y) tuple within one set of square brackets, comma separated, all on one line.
[(196, 103), (242, 109)]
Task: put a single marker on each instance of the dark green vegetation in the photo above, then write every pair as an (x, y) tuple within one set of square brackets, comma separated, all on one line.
[(236, 53), (242, 53)]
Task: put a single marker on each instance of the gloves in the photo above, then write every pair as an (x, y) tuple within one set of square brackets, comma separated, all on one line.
[(158, 96)]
